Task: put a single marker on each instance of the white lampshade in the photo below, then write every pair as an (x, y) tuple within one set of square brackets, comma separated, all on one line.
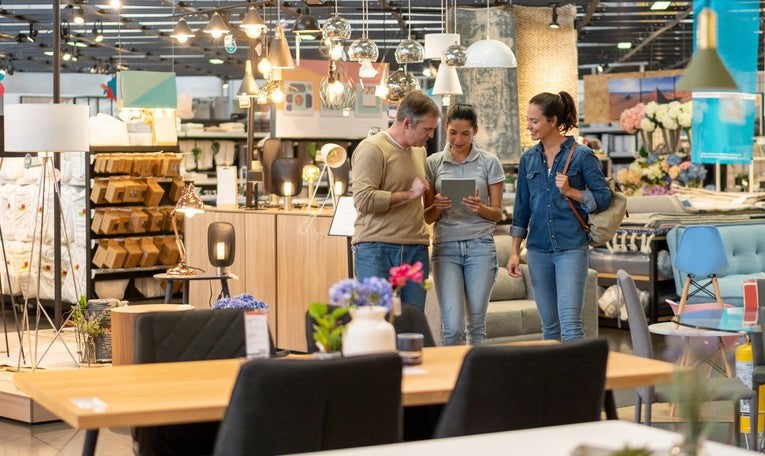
[(36, 127), (490, 54), (436, 43), (333, 155), (447, 81)]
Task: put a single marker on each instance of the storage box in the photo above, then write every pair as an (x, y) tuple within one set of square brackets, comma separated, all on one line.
[(168, 251), (134, 252), (100, 255), (139, 221), (156, 219), (115, 254), (174, 165), (99, 164), (98, 217), (134, 191), (124, 226), (110, 223), (149, 252), (176, 189), (115, 164), (115, 190), (153, 194), (98, 192)]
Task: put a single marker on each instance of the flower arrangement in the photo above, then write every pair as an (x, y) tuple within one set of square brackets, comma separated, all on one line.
[(670, 117), (88, 326), (327, 326), (401, 275), (242, 301), (372, 291), (653, 174)]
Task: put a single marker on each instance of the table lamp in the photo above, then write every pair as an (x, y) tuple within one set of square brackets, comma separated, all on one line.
[(286, 179), (189, 205), (331, 156), (221, 245)]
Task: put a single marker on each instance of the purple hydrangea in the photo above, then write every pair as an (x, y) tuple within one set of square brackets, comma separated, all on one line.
[(370, 291), (242, 301)]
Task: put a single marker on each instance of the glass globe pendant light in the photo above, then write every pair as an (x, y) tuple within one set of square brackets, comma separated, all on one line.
[(337, 91), (400, 83), (409, 50)]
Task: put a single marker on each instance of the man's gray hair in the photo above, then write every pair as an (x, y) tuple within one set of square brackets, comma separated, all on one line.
[(416, 106)]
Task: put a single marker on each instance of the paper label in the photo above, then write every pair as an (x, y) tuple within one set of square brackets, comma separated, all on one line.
[(227, 191), (256, 334)]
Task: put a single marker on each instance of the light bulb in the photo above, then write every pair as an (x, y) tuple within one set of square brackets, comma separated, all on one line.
[(217, 33), (367, 70), (346, 113), (277, 96), (336, 52), (264, 66), (182, 38), (335, 91), (381, 91), (253, 33), (115, 4)]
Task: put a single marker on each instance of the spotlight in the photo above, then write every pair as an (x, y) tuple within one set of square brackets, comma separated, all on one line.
[(32, 33), (98, 31), (554, 23), (217, 26), (66, 55), (115, 4), (182, 32), (599, 68)]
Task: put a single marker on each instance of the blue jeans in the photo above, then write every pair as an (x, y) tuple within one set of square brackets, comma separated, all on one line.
[(464, 272), (376, 258), (559, 280)]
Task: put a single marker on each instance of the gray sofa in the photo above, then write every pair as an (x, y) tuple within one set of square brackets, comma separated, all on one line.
[(512, 314)]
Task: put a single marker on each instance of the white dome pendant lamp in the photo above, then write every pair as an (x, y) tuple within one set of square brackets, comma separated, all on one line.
[(488, 53)]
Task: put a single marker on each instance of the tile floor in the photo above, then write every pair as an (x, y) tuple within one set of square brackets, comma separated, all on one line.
[(57, 438)]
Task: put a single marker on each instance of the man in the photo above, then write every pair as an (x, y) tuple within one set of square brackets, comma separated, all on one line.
[(388, 184)]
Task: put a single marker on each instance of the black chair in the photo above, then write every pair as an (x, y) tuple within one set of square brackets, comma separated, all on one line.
[(411, 320), (287, 406), (185, 336), (508, 388), (728, 389)]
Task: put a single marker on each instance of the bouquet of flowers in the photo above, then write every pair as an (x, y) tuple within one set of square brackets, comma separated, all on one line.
[(401, 275), (670, 117), (372, 291), (242, 301), (653, 174)]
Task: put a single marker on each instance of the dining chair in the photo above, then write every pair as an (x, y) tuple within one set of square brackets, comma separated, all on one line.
[(701, 255), (185, 336), (728, 388), (522, 387), (295, 406)]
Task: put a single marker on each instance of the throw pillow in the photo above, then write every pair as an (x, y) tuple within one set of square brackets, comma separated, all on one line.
[(507, 288)]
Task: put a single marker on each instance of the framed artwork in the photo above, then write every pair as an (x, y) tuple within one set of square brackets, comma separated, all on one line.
[(299, 99)]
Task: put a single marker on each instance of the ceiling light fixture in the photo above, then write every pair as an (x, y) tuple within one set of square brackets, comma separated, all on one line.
[(215, 61), (182, 32), (248, 88), (409, 50), (279, 53), (217, 26), (253, 25), (554, 22), (98, 31), (624, 45), (660, 5), (66, 55), (306, 27), (337, 90), (488, 53), (364, 50), (436, 43), (706, 72), (78, 15), (32, 33), (115, 4)]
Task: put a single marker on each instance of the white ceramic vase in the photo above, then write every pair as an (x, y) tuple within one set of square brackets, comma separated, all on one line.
[(368, 332)]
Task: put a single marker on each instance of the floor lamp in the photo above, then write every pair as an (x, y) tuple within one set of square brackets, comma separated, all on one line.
[(45, 129)]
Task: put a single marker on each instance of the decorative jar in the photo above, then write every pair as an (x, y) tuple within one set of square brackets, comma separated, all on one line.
[(368, 332)]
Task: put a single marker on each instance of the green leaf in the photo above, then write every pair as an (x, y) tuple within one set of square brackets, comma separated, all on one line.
[(339, 312)]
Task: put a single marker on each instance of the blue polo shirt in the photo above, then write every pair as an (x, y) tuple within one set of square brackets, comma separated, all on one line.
[(458, 223), (541, 213)]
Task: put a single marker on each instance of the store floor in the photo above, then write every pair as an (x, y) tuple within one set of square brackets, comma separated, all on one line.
[(58, 438)]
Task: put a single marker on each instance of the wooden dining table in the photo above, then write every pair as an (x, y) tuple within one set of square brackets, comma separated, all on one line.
[(196, 391)]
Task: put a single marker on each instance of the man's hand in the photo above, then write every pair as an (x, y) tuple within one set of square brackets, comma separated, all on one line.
[(418, 188)]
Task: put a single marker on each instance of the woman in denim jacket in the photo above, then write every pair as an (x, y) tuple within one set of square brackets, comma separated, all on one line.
[(558, 254), (464, 255)]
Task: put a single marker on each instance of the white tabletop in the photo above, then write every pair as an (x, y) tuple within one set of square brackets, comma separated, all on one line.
[(669, 328), (548, 441)]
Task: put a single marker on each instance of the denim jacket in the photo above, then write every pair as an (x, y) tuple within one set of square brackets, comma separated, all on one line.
[(541, 211)]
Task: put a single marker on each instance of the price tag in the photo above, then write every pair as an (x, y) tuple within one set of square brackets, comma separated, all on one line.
[(256, 334), (229, 43)]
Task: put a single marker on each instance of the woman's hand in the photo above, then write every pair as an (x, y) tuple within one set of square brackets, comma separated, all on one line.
[(514, 265), (473, 203), (561, 181), (441, 202)]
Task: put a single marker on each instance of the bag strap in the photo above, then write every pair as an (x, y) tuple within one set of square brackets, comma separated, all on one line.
[(571, 204)]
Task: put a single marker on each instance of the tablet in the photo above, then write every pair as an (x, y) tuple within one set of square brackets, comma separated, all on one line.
[(457, 188)]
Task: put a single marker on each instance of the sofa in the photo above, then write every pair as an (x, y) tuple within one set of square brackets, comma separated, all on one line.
[(512, 314), (745, 247)]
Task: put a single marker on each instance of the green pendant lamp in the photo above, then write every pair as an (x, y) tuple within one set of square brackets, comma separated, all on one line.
[(706, 72)]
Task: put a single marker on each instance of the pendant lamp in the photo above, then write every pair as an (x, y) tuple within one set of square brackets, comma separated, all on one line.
[(436, 44), (249, 87), (253, 25), (488, 53), (182, 32), (447, 81), (706, 72), (279, 52), (217, 26)]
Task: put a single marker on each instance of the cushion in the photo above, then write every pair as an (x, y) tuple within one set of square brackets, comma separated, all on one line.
[(507, 288)]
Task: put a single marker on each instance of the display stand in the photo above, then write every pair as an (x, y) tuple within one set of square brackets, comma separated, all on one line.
[(343, 222)]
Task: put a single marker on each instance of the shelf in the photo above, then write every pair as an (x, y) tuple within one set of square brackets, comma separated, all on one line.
[(221, 135), (132, 149), (130, 235), (156, 268)]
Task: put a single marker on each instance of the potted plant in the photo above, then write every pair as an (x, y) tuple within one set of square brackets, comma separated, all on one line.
[(242, 301), (88, 327), (327, 328)]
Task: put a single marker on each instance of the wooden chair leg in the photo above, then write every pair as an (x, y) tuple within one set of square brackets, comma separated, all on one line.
[(684, 295), (718, 294)]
